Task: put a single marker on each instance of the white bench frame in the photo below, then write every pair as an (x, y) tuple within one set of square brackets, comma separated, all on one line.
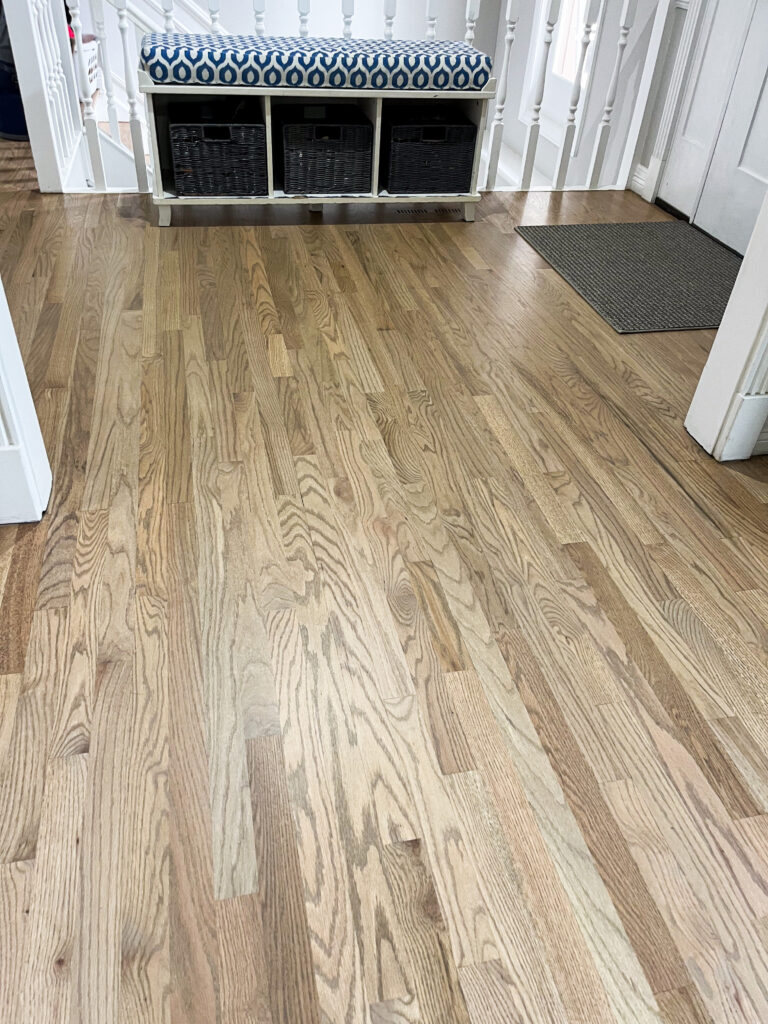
[(474, 102)]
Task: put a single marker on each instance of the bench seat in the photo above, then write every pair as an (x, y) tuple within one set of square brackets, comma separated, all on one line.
[(288, 62)]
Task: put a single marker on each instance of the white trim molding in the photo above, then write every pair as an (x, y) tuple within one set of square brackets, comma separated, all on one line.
[(25, 473), (692, 11), (730, 407)]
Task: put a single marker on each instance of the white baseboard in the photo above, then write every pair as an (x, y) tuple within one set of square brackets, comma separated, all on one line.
[(637, 179), (761, 445)]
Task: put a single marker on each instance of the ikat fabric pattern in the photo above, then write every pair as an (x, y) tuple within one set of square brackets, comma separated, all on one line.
[(280, 62)]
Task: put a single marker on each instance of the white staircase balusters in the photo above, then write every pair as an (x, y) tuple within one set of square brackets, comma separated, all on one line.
[(347, 10), (131, 88), (591, 15), (89, 115), (68, 101), (259, 7), (214, 7), (168, 20), (626, 20), (390, 10), (62, 127), (511, 17), (431, 19), (473, 13), (552, 13), (52, 105), (57, 79), (99, 27), (303, 17)]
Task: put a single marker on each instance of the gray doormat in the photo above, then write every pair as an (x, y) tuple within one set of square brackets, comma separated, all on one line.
[(658, 276)]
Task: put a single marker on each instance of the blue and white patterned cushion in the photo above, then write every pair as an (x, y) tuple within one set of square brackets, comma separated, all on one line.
[(277, 61)]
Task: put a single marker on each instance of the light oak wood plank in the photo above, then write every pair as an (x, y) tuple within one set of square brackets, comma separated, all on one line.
[(54, 921), (285, 934), (424, 934), (16, 888), (221, 594)]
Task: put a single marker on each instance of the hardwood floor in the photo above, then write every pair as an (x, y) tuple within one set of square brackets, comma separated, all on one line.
[(389, 652)]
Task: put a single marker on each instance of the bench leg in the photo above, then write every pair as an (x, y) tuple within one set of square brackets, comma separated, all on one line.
[(315, 207), (469, 212), (163, 216)]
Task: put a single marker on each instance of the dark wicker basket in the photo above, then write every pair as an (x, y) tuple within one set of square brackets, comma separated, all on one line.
[(326, 149), (427, 150), (219, 159)]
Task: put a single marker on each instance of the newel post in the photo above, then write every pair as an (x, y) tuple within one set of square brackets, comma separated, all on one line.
[(132, 89), (97, 14)]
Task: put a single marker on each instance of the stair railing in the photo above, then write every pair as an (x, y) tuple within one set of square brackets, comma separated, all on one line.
[(135, 17)]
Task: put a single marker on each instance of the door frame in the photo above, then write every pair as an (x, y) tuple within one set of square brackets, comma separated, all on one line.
[(647, 180), (25, 471), (721, 117), (729, 411)]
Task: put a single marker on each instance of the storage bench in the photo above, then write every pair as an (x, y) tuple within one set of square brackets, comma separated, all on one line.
[(191, 80)]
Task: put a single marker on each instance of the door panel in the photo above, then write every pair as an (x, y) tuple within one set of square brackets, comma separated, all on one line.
[(715, 61), (737, 180)]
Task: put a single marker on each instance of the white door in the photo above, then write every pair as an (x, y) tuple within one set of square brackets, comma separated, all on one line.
[(25, 473), (737, 179), (717, 169), (713, 65)]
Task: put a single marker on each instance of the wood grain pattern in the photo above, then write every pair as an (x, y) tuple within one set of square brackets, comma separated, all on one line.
[(53, 921), (16, 891), (389, 653), (424, 935), (291, 985)]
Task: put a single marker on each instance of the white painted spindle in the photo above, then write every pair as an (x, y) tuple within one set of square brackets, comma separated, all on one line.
[(473, 13), (89, 115), (390, 10), (591, 15), (431, 19), (71, 127), (214, 7), (511, 17), (552, 13), (347, 10), (626, 20), (131, 88), (303, 17), (259, 6), (168, 25), (99, 28)]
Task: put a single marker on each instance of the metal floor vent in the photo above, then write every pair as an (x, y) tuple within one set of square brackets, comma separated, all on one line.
[(413, 211)]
